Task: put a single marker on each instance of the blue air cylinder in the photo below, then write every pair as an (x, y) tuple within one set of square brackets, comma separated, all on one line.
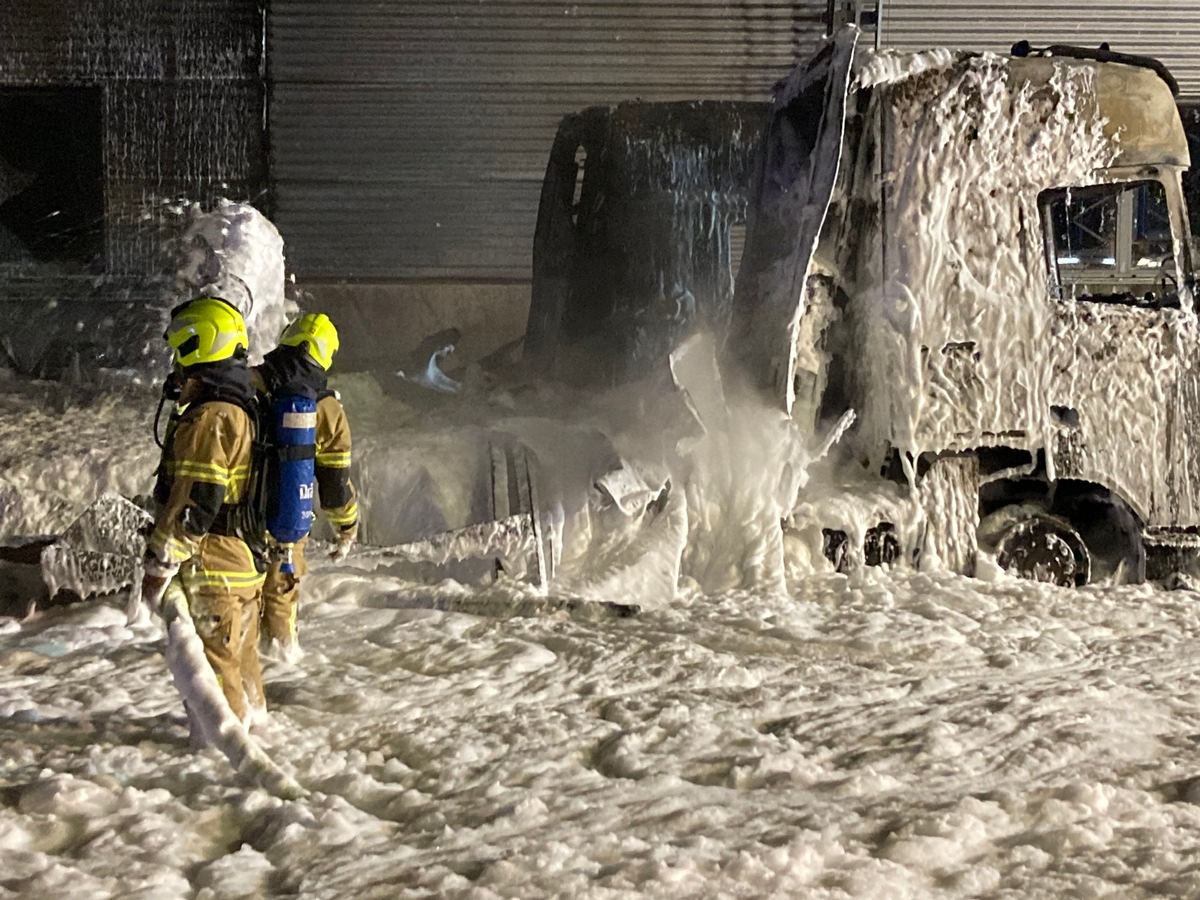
[(290, 507)]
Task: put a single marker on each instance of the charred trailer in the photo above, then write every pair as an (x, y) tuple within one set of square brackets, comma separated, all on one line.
[(987, 259), (639, 231)]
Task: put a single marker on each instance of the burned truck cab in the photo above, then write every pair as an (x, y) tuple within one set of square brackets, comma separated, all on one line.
[(1119, 259), (986, 260), (1125, 238)]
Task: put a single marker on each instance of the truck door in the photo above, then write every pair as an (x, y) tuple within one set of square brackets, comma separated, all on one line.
[(797, 167), (1126, 341)]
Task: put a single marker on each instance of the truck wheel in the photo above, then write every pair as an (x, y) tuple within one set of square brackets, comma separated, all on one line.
[(1041, 547)]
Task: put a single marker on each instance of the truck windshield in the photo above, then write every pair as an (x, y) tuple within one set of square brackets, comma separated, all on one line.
[(1110, 243)]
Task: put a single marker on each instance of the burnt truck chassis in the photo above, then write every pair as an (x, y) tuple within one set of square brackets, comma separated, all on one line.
[(1037, 516)]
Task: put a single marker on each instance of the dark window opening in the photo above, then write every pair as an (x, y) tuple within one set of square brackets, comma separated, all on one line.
[(1110, 243), (51, 179)]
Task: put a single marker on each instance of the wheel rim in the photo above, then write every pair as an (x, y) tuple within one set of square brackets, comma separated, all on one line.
[(1045, 550)]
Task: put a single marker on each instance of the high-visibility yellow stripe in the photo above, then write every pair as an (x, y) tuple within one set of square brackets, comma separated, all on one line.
[(213, 578), (195, 576), (202, 464), (233, 492), (198, 577), (340, 460), (344, 518), (167, 548), (203, 471)]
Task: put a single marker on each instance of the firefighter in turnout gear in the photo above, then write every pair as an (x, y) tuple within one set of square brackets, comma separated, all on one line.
[(203, 475), (299, 365)]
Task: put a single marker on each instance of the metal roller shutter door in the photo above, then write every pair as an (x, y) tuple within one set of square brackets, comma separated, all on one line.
[(409, 138)]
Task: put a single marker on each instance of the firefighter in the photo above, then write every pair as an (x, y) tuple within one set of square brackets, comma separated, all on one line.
[(299, 365), (201, 479)]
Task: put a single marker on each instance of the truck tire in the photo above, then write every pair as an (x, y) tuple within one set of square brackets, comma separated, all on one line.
[(1110, 530), (1031, 543)]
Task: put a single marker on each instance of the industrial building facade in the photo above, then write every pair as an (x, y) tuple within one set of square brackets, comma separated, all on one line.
[(399, 146)]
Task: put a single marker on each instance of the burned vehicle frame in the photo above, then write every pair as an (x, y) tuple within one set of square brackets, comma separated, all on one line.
[(985, 263)]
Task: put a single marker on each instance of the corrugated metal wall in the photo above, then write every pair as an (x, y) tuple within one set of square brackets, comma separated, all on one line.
[(409, 138), (1168, 30)]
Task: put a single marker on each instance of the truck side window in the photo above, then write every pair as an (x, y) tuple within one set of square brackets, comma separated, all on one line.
[(1110, 243)]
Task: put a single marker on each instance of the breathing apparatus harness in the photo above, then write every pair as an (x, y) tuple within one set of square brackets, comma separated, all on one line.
[(286, 445), (206, 383), (276, 509)]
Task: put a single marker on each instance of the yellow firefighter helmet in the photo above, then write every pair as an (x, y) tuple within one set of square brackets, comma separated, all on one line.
[(316, 333), (206, 330)]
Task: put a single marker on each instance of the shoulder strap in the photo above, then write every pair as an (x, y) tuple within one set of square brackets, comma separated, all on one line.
[(249, 405)]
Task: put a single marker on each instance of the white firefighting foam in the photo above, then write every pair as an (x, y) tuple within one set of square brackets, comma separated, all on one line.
[(887, 66), (53, 463), (962, 340), (971, 162), (234, 252), (888, 733)]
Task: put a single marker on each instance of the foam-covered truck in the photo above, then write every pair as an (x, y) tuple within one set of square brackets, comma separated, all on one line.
[(987, 260), (973, 270)]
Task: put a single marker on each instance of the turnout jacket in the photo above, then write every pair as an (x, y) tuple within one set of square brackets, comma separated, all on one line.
[(204, 472)]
